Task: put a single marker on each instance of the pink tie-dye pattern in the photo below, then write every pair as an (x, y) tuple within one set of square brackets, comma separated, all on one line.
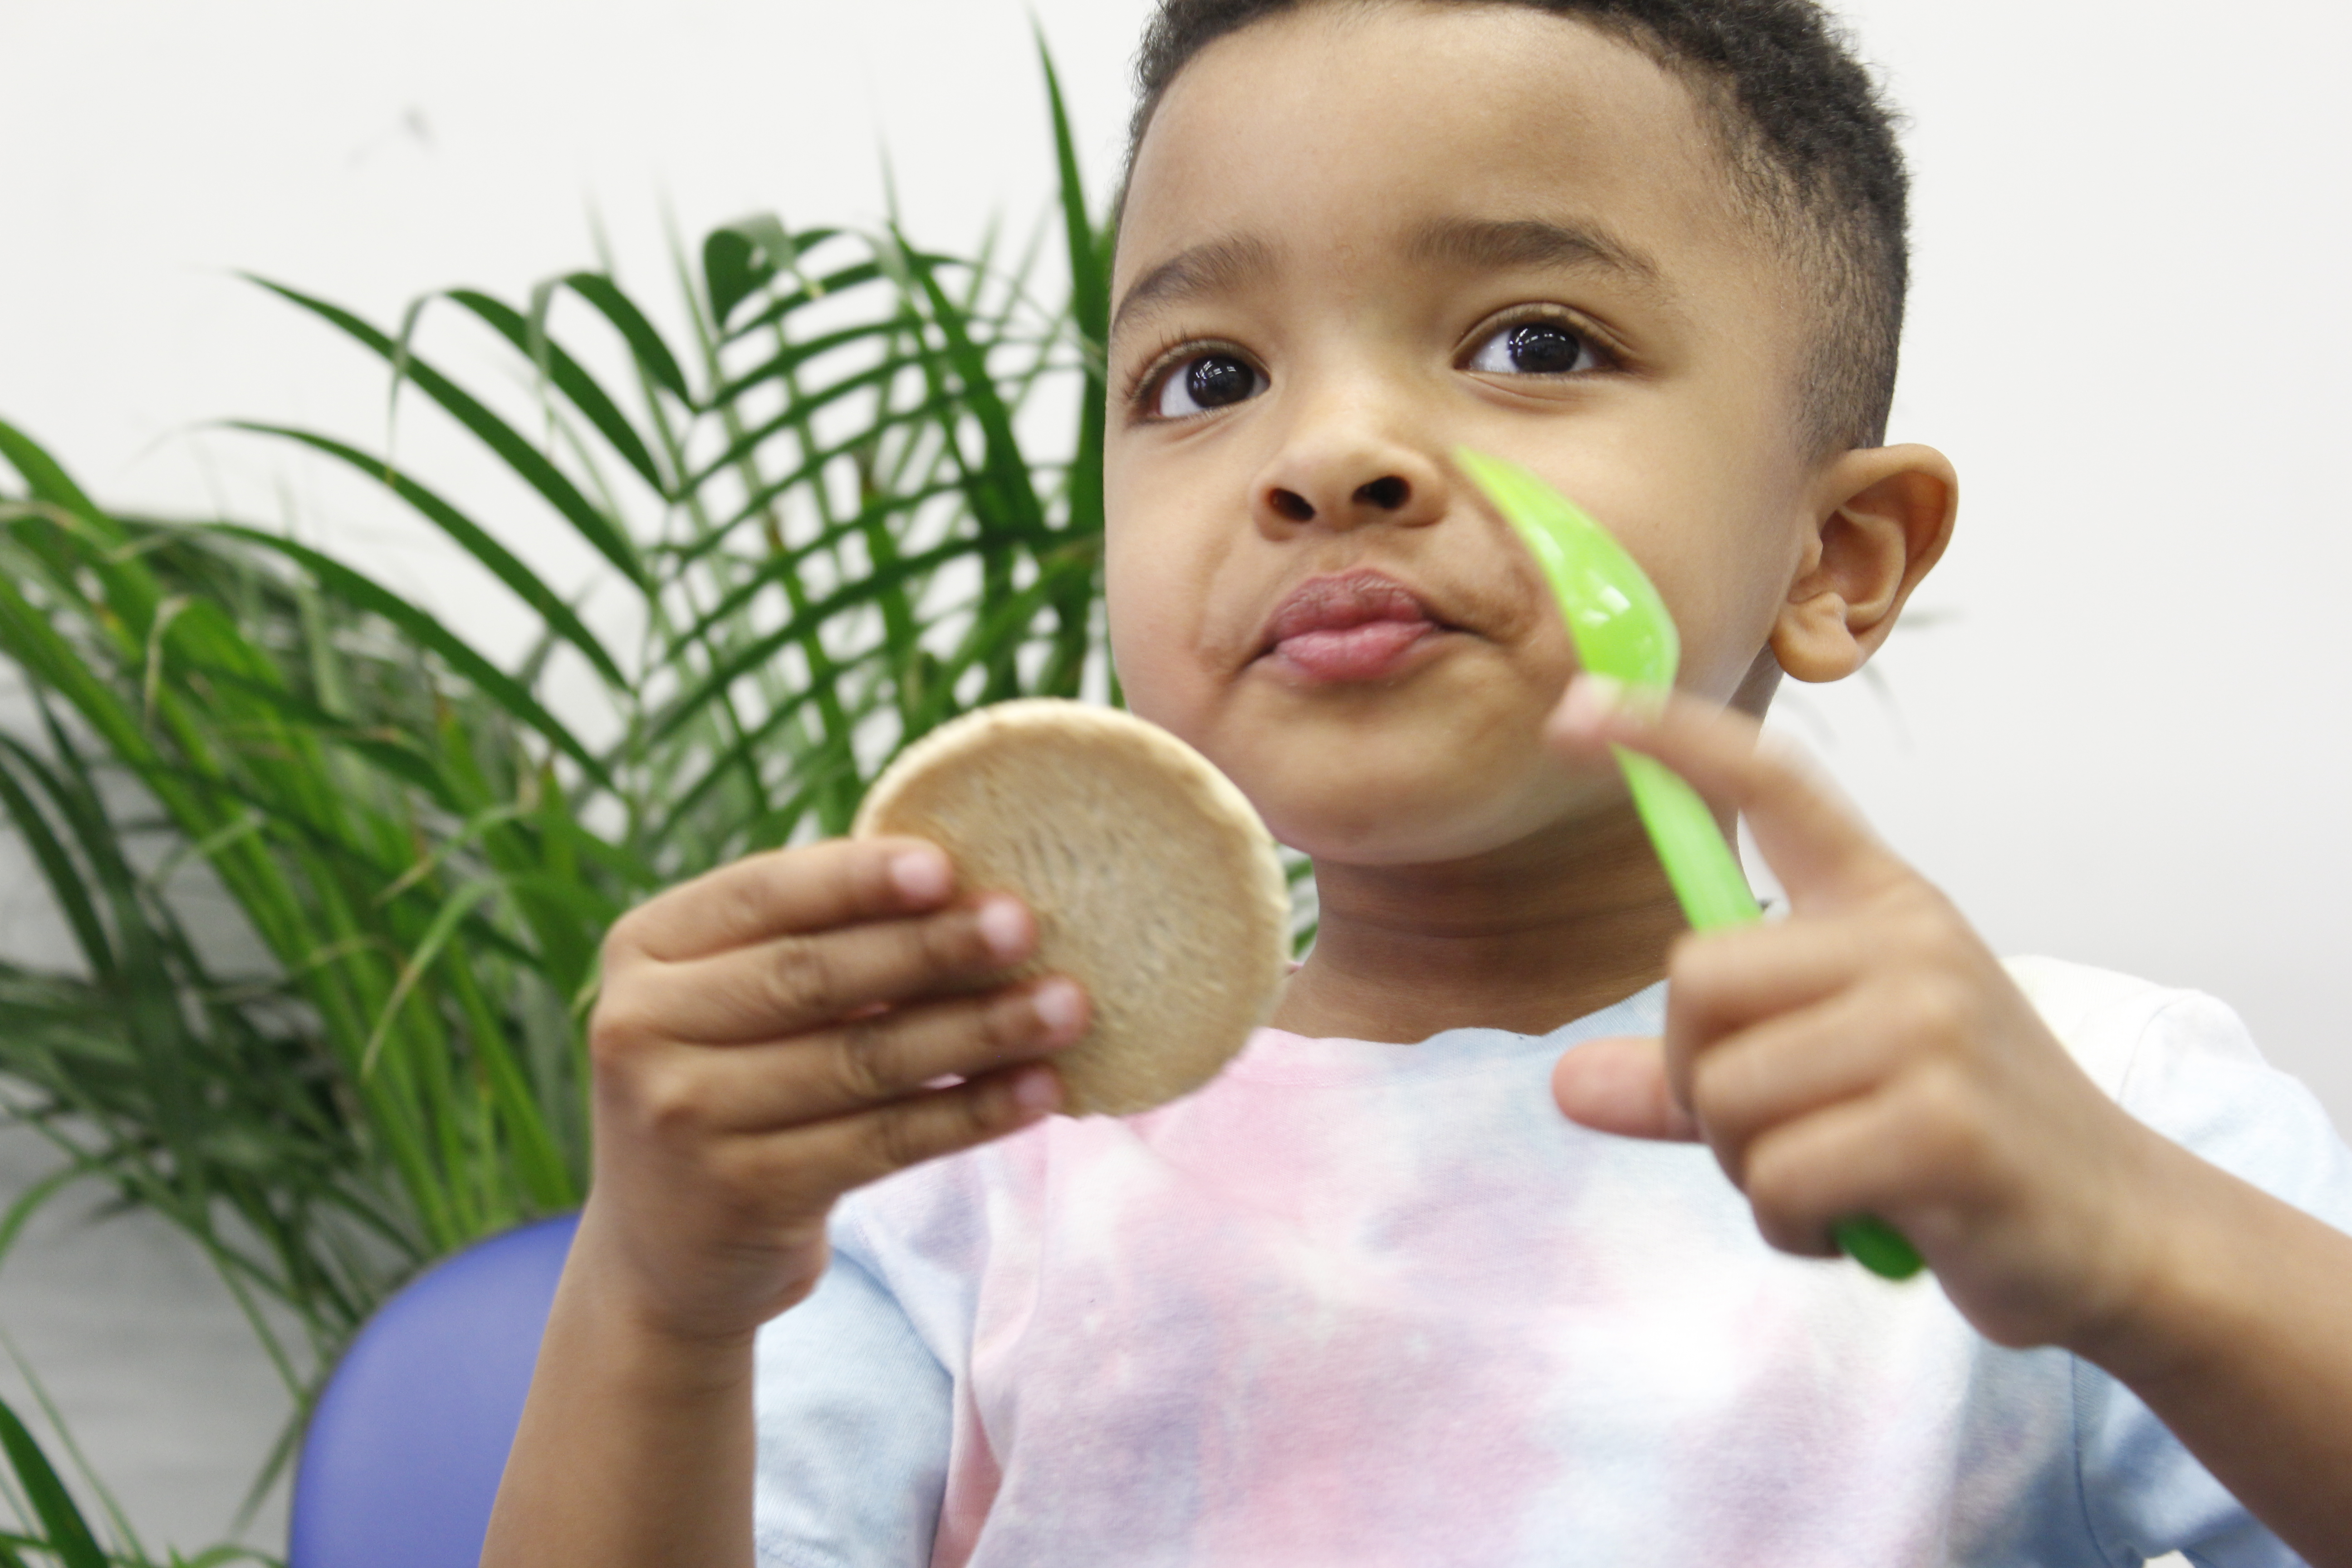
[(1371, 1304), (1341, 1307)]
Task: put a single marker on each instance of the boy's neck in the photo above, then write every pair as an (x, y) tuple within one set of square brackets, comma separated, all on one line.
[(1526, 938)]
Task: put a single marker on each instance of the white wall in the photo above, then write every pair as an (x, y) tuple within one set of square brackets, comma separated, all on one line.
[(2117, 734), (2120, 735), (2128, 739)]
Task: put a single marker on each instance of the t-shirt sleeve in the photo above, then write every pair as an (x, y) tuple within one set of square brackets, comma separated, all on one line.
[(855, 1415), (2196, 1078)]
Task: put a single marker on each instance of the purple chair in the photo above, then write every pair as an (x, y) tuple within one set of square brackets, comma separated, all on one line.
[(404, 1452)]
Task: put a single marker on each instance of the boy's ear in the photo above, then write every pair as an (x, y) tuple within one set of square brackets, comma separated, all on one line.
[(1885, 516)]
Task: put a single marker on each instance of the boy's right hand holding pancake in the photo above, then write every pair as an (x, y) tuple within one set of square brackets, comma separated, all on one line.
[(769, 1037), (774, 1033)]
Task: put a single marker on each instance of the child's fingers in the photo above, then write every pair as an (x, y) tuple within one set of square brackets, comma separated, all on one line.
[(1723, 981), (1619, 1086), (1844, 1160), (851, 1151), (782, 986), (809, 888), (1815, 841), (868, 1062), (1784, 1069)]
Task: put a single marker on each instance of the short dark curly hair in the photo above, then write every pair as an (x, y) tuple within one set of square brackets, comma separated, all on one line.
[(1808, 139)]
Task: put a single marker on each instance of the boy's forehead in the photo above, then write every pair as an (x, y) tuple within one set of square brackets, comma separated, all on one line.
[(1497, 135)]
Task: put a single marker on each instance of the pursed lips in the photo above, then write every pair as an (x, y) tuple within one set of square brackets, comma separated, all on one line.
[(1356, 626)]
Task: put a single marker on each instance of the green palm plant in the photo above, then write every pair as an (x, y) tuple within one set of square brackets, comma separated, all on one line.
[(820, 532)]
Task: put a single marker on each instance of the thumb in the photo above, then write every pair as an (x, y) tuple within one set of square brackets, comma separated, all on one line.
[(1619, 1084)]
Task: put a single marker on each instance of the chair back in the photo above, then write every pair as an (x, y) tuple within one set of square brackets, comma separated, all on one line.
[(403, 1456)]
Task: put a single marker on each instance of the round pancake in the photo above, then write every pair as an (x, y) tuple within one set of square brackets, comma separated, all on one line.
[(1154, 884)]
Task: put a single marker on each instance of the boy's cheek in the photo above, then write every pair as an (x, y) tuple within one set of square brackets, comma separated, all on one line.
[(1148, 645), (1159, 579)]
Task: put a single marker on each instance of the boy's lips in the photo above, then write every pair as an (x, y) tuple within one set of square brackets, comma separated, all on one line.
[(1359, 626)]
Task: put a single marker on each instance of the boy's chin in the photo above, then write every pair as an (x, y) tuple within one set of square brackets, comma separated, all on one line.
[(1434, 818)]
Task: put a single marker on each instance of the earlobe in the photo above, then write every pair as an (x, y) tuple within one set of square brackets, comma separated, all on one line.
[(1882, 519)]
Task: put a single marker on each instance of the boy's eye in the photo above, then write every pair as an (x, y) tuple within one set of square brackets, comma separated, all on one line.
[(1535, 348), (1206, 382)]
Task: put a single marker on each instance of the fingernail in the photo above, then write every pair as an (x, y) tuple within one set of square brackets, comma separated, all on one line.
[(1005, 928), (1591, 700), (1037, 1090), (1059, 1007), (921, 875)]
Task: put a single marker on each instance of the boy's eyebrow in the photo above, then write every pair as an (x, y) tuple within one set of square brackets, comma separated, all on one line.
[(1221, 266), (1494, 244), (1211, 266)]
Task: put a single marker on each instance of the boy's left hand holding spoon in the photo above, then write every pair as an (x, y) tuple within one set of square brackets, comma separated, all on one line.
[(1869, 1055)]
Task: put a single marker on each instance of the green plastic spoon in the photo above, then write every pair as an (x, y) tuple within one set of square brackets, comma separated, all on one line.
[(1622, 630)]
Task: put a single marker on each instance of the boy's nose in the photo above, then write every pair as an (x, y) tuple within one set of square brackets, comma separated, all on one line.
[(1346, 485)]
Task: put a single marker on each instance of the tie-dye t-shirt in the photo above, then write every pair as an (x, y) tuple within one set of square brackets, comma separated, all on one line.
[(1374, 1304)]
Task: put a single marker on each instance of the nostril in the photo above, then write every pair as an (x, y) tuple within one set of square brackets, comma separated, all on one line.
[(1387, 492), (1294, 506)]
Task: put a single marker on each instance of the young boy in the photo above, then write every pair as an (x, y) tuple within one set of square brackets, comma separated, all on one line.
[(1364, 1301)]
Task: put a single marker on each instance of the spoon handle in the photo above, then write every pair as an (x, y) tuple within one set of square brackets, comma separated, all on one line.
[(1705, 875), (1713, 893)]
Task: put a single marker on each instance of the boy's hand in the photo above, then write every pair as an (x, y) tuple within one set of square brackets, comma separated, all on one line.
[(775, 1033), (1869, 1055)]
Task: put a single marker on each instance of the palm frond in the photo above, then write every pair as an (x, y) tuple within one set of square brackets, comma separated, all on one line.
[(822, 526)]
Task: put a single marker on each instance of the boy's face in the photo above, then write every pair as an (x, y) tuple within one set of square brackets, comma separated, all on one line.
[(1355, 239)]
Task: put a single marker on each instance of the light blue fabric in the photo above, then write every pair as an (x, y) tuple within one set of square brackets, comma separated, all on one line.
[(2145, 1494), (853, 1430), (2049, 1462)]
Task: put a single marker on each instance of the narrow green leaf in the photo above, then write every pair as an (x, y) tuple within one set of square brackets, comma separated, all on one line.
[(58, 868), (46, 479), (539, 1166), (1007, 494), (363, 593), (68, 1534), (214, 1556), (756, 653), (528, 464), (1089, 288), (830, 285), (452, 915), (652, 353), (468, 832), (804, 408), (735, 265), (528, 333), (28, 1203), (792, 355), (748, 749), (388, 750), (769, 573), (473, 540)]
